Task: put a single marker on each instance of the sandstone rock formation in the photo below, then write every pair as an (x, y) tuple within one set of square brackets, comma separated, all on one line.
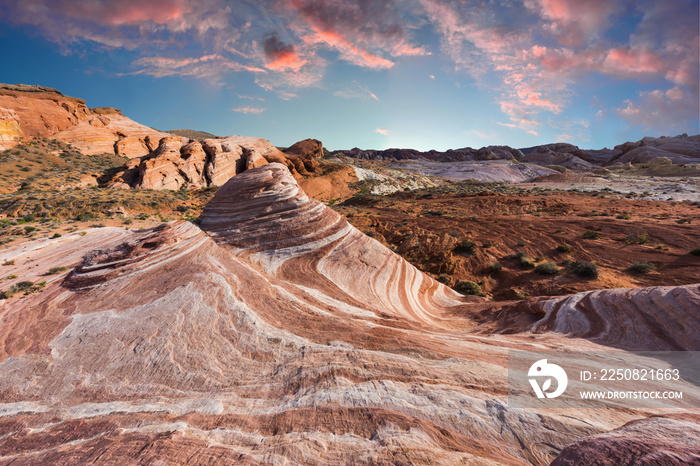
[(679, 149), (210, 162), (564, 155), (27, 112), (656, 440), (276, 332)]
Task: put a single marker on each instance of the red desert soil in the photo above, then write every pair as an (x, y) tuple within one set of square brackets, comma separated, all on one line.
[(426, 228)]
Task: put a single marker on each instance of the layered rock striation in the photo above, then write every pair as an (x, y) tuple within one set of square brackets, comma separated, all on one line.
[(275, 332), (28, 112)]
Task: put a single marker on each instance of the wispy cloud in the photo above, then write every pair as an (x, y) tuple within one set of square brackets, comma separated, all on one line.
[(253, 110), (382, 131), (528, 56), (659, 110), (358, 91), (208, 66)]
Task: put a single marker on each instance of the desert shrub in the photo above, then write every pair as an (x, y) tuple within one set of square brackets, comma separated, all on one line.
[(85, 216), (584, 269), (683, 220), (590, 234), (468, 287), (12, 277), (18, 288), (465, 247), (56, 235), (494, 267), (28, 230), (184, 208), (642, 239), (624, 217), (444, 279), (563, 248), (695, 252), (55, 270), (525, 262), (642, 267), (547, 268), (9, 262)]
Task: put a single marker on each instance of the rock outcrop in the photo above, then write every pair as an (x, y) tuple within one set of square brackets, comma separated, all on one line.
[(28, 112), (672, 440), (679, 149), (276, 333), (209, 162)]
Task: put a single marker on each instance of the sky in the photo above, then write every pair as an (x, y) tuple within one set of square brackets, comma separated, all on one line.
[(423, 74)]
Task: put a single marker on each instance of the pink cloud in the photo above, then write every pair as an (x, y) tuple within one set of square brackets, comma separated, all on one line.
[(281, 56), (364, 33), (348, 51), (574, 22), (627, 61), (253, 110), (665, 112), (382, 131)]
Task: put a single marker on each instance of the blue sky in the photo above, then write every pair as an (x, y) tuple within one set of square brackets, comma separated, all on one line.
[(425, 74)]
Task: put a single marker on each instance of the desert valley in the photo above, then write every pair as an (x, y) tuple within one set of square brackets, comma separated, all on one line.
[(175, 297)]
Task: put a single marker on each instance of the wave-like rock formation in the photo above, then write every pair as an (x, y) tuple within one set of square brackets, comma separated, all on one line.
[(671, 440), (665, 318), (272, 333), (28, 112)]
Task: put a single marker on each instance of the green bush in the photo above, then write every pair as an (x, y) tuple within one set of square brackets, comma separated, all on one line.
[(17, 288), (465, 247), (563, 248), (10, 262), (55, 270), (547, 268), (590, 234), (526, 262), (56, 235), (28, 230), (642, 267), (584, 269), (468, 287), (494, 267), (85, 216), (684, 220)]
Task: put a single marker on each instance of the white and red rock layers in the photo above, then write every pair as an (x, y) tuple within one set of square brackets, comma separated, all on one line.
[(276, 333)]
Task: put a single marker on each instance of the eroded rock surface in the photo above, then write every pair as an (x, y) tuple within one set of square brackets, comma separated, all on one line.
[(210, 162), (274, 332), (27, 112)]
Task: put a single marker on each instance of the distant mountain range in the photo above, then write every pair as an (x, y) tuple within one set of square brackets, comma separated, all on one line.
[(680, 149)]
